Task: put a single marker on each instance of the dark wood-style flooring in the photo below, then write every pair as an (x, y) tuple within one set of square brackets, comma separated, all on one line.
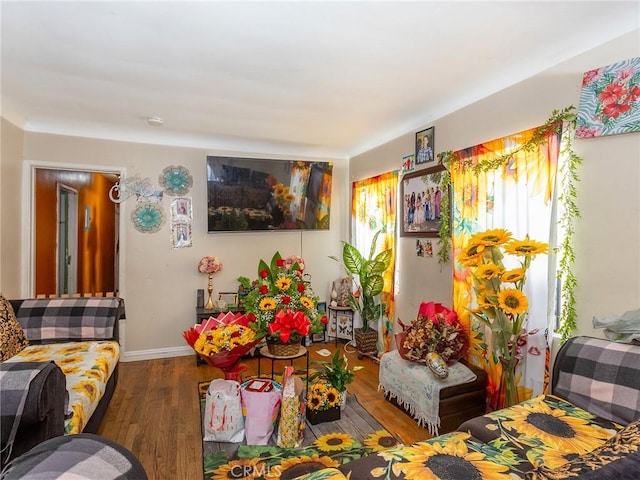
[(155, 411)]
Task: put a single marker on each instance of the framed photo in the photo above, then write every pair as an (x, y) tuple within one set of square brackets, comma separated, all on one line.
[(181, 235), (181, 210), (228, 298), (421, 198), (322, 310), (425, 146)]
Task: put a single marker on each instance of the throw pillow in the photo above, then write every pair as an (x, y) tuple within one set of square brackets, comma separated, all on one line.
[(12, 338), (616, 459)]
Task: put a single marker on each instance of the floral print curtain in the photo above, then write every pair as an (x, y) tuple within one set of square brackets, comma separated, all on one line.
[(517, 196), (373, 207)]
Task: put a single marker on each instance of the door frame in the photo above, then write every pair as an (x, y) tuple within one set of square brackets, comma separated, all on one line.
[(28, 220), (71, 226)]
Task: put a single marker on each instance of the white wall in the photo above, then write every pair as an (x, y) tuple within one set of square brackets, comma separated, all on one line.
[(607, 235), (158, 282)]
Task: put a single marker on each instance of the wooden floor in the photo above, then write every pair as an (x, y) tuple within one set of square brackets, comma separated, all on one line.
[(155, 411)]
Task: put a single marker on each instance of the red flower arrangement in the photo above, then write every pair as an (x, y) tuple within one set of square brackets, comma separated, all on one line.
[(435, 329)]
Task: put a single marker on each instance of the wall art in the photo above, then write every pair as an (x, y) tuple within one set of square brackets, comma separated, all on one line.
[(610, 100), (181, 235), (148, 217), (421, 198), (425, 146), (176, 180)]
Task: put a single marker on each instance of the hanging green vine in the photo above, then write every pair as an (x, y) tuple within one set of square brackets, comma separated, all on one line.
[(568, 216), (568, 189)]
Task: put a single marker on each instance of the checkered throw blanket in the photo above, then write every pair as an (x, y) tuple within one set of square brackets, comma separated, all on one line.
[(82, 456), (47, 320), (15, 379), (600, 376)]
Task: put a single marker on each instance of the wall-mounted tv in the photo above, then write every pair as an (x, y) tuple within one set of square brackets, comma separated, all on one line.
[(246, 194)]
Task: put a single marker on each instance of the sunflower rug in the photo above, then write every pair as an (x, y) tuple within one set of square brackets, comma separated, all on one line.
[(330, 444)]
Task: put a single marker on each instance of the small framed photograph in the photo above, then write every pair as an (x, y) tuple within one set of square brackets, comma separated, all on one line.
[(421, 199), (181, 235), (228, 299), (408, 163), (181, 209), (425, 146), (322, 310)]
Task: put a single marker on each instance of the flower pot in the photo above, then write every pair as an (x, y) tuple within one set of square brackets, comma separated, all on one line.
[(320, 416), (366, 342)]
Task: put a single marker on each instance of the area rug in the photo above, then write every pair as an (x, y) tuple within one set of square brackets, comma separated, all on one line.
[(331, 444)]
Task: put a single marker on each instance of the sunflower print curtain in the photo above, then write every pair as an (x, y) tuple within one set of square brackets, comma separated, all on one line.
[(373, 207), (518, 196)]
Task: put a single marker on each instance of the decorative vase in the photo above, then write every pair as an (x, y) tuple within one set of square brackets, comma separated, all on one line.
[(279, 349), (508, 387), (342, 402), (437, 365), (209, 305), (320, 416)]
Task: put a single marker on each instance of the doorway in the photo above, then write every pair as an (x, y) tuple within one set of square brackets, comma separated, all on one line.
[(67, 264), (74, 232)]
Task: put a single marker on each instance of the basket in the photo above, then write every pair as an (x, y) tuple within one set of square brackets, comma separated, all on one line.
[(279, 349), (366, 342)]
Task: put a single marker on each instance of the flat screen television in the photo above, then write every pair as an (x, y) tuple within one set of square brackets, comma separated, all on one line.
[(257, 194)]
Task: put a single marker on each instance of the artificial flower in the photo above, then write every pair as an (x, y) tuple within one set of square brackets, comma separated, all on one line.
[(209, 265), (284, 306)]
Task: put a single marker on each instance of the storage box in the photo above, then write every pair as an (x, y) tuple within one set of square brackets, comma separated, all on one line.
[(320, 416)]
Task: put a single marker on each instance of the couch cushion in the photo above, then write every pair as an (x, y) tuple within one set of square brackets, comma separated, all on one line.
[(12, 338), (616, 459)]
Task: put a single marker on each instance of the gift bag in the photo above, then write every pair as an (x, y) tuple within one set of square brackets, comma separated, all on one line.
[(291, 423), (260, 404), (223, 420)]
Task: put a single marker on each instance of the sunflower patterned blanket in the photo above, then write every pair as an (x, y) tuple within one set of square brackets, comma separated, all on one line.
[(547, 437), (87, 367)]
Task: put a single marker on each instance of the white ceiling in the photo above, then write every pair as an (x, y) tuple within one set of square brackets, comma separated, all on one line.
[(315, 79)]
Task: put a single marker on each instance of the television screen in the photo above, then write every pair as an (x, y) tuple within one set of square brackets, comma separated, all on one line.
[(245, 194)]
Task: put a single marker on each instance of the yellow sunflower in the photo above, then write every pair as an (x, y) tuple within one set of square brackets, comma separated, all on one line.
[(527, 247), (279, 190), (319, 388), (244, 468), (267, 304), (290, 197), (332, 396), (94, 373), (37, 349), (540, 422), (334, 442), (86, 388), (283, 283), (513, 276), (488, 271), (471, 255), (72, 370), (298, 466), (452, 459), (491, 238), (549, 458), (513, 301), (62, 362), (486, 299), (107, 348), (76, 423), (379, 441), (71, 349), (315, 401), (307, 302)]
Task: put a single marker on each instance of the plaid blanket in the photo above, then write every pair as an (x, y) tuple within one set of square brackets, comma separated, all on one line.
[(15, 379), (599, 376), (47, 320), (76, 456)]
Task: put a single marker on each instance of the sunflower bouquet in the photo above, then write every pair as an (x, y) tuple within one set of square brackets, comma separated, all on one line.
[(501, 303), (322, 396), (283, 306)]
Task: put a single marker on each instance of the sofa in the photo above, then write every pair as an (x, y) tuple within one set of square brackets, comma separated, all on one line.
[(59, 367), (588, 428)]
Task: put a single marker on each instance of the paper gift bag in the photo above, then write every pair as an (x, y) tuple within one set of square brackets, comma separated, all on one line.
[(291, 423), (223, 420), (261, 400)]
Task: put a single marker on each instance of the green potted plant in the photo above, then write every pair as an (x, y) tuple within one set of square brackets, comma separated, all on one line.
[(336, 373), (367, 274)]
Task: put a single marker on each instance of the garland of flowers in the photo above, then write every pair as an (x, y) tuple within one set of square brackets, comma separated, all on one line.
[(571, 212)]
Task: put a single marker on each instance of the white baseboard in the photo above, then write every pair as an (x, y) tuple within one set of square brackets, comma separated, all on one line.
[(156, 353)]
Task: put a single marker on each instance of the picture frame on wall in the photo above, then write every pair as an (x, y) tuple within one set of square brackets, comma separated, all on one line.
[(421, 199), (425, 146), (322, 310)]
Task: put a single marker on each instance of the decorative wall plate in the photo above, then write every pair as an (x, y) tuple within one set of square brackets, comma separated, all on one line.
[(176, 180), (148, 217)]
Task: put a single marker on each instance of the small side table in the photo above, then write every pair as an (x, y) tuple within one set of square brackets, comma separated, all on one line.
[(303, 352), (340, 324)]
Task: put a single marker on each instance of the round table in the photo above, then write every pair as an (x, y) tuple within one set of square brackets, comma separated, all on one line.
[(264, 352)]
